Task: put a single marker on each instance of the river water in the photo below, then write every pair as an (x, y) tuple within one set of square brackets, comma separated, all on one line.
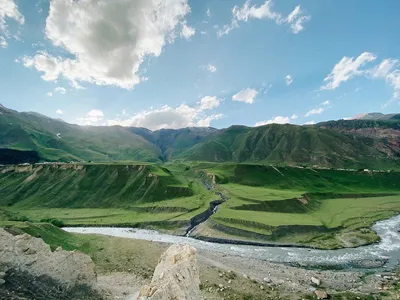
[(386, 252)]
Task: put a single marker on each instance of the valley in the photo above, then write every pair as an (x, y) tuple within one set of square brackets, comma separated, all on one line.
[(317, 200)]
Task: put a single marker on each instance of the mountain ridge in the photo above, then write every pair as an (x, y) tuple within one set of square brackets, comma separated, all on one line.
[(359, 142)]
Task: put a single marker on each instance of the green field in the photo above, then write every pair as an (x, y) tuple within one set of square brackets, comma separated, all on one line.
[(317, 207)]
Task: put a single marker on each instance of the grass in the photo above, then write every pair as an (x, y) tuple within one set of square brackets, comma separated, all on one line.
[(316, 207)]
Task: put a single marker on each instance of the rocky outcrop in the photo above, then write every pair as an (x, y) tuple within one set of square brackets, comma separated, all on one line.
[(31, 269), (175, 277)]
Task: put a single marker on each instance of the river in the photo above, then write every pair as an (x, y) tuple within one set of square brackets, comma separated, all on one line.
[(386, 253)]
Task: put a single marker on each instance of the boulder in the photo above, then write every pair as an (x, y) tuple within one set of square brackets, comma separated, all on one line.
[(316, 281), (321, 294), (175, 277), (25, 253), (30, 270)]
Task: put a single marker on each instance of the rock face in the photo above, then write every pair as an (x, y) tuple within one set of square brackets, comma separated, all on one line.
[(175, 277), (29, 267)]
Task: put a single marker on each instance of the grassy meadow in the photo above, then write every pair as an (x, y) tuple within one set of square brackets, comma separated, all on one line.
[(317, 207)]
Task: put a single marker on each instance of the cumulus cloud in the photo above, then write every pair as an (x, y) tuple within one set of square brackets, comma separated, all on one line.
[(208, 13), (49, 94), (288, 80), (275, 120), (8, 10), (243, 14), (93, 117), (209, 102), (3, 42), (315, 111), (107, 40), (187, 31), (169, 117), (59, 112), (60, 90), (294, 117), (245, 95), (309, 123), (211, 68), (345, 69)]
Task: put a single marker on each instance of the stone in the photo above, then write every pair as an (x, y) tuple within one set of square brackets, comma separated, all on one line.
[(180, 276), (316, 281), (261, 287), (321, 294), (2, 275), (229, 281), (245, 276), (2, 281), (32, 255), (267, 280)]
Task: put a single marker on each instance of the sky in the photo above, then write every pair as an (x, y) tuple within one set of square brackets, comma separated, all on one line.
[(183, 63)]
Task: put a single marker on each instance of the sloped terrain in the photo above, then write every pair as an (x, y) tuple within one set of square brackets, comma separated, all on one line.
[(78, 186), (56, 140), (290, 144)]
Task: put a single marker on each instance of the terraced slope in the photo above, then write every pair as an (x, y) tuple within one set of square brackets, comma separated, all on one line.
[(315, 207), (78, 186)]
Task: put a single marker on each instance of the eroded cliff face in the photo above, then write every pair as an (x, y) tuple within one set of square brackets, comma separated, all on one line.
[(30, 270), (175, 277)]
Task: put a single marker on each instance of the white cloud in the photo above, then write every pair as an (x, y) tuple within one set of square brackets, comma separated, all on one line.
[(187, 31), (245, 95), (60, 90), (3, 42), (209, 102), (59, 112), (211, 68), (49, 94), (347, 68), (9, 10), (327, 102), (315, 111), (208, 13), (203, 32), (93, 117), (275, 120), (383, 69), (123, 112), (288, 80), (243, 14), (309, 123), (294, 117), (107, 40), (168, 117)]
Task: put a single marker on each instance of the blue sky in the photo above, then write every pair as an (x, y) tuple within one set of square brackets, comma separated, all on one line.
[(159, 64)]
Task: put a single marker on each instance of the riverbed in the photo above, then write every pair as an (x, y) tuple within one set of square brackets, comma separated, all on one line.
[(385, 254)]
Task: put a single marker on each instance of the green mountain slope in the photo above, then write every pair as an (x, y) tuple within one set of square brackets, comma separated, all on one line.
[(278, 144), (355, 143), (73, 186), (56, 140)]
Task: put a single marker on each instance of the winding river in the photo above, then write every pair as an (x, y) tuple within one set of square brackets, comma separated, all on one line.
[(385, 254)]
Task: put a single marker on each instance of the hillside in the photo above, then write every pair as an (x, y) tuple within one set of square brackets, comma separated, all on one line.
[(56, 140), (78, 186), (290, 144), (349, 144)]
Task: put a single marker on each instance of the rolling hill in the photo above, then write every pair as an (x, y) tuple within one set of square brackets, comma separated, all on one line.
[(353, 143)]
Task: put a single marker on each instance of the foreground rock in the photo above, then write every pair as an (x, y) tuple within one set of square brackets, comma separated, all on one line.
[(175, 277), (31, 271)]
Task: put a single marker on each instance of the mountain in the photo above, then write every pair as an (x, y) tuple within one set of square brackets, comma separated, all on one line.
[(290, 144), (377, 116), (343, 143), (171, 142), (56, 140)]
